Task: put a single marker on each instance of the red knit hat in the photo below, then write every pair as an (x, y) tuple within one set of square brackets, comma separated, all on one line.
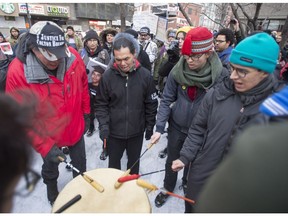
[(198, 40)]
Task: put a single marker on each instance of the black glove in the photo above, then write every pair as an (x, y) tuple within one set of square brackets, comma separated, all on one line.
[(53, 154), (104, 133), (173, 57), (148, 133), (87, 122)]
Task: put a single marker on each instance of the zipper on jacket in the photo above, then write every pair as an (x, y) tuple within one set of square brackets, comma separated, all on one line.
[(126, 85), (127, 108)]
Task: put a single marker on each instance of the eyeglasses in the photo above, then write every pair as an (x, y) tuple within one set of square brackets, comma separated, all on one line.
[(92, 40), (219, 41), (193, 57), (27, 183), (239, 71), (142, 35)]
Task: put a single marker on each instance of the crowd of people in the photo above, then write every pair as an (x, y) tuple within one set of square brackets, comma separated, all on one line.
[(203, 88)]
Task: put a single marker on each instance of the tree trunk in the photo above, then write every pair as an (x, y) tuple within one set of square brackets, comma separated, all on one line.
[(185, 14), (284, 33), (122, 17)]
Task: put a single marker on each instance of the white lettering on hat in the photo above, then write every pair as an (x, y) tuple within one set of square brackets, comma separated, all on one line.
[(50, 40)]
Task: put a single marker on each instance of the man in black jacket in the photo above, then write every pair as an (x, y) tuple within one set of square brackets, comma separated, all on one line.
[(127, 103)]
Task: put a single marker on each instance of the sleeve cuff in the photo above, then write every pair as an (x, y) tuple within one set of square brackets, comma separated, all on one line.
[(160, 129)]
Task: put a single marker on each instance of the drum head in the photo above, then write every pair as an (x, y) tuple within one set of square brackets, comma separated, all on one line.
[(129, 198)]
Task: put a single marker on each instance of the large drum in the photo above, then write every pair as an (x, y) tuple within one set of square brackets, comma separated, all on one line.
[(129, 198)]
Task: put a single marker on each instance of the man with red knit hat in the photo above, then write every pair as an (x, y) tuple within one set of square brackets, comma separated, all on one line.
[(197, 70)]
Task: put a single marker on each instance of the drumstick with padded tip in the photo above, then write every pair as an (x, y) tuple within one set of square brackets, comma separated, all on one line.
[(152, 187), (69, 203), (91, 181), (136, 176), (117, 183)]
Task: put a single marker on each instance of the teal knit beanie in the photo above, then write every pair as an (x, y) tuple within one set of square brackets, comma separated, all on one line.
[(258, 51)]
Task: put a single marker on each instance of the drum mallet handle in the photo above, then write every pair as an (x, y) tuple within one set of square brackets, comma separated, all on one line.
[(91, 181), (69, 203)]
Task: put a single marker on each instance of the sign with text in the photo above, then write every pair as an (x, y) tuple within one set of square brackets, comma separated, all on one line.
[(58, 11), (145, 19), (33, 9), (161, 29)]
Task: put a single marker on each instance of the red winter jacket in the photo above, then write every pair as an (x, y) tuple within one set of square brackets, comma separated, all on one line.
[(70, 98)]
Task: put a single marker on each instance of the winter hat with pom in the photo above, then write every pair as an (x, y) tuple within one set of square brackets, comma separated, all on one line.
[(198, 40)]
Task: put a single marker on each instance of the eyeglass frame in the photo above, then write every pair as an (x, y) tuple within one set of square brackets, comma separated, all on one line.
[(243, 71), (219, 41), (195, 57)]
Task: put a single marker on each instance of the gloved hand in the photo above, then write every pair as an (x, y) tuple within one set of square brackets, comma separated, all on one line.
[(104, 133), (87, 122), (148, 133), (173, 57), (54, 153)]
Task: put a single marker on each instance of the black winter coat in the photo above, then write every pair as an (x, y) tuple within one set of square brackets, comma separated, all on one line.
[(127, 105), (220, 117)]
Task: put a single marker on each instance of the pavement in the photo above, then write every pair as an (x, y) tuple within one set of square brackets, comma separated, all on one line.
[(37, 201)]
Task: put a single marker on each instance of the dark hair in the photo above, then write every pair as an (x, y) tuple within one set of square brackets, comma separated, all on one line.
[(15, 121), (123, 42), (70, 27), (14, 28), (228, 34)]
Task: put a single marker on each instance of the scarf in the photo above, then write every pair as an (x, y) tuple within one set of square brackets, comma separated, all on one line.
[(204, 78)]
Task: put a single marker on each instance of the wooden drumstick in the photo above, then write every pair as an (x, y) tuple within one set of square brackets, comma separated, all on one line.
[(87, 178), (152, 187), (117, 183)]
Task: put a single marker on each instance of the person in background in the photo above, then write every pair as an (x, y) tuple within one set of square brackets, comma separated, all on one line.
[(162, 56), (172, 57), (15, 121), (72, 39), (234, 26), (107, 36), (148, 46), (13, 38), (224, 42), (253, 178), (96, 74), (48, 67), (92, 49), (227, 109), (126, 105), (197, 70), (143, 57), (5, 60), (2, 38)]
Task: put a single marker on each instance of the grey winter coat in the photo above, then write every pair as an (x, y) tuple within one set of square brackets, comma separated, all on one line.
[(176, 106), (220, 116)]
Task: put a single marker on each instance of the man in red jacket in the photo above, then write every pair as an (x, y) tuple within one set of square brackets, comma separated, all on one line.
[(56, 74)]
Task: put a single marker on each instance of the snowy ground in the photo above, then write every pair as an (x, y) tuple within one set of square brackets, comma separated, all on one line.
[(37, 202)]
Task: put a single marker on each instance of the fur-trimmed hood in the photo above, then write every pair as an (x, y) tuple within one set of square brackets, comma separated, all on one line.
[(107, 31)]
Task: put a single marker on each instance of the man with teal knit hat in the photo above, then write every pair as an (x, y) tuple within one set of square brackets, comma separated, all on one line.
[(227, 109)]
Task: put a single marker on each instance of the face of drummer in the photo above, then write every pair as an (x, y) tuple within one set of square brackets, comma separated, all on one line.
[(124, 54)]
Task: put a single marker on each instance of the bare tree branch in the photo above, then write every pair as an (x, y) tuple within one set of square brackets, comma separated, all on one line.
[(213, 20), (185, 14)]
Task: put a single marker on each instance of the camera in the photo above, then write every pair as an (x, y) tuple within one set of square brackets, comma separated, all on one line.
[(173, 48), (233, 21), (65, 150)]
